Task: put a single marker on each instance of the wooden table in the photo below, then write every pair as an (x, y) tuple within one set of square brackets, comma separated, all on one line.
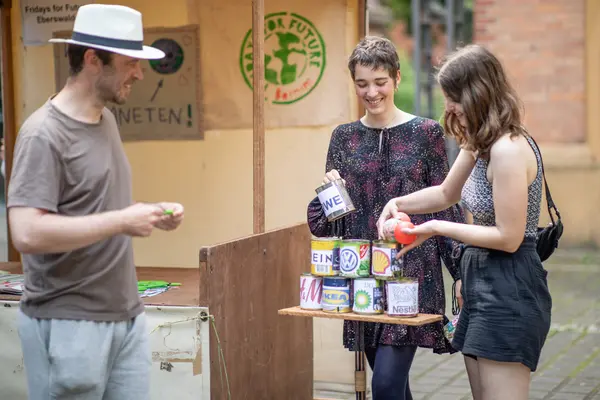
[(360, 376), (185, 295)]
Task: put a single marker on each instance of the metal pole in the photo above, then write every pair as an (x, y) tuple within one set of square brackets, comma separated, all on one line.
[(416, 25), (428, 44), (450, 31), (452, 149)]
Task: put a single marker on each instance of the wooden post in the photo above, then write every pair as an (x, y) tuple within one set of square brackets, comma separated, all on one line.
[(362, 31), (360, 372), (258, 59), (8, 107)]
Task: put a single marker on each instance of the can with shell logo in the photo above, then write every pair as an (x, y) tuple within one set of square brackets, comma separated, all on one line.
[(383, 259)]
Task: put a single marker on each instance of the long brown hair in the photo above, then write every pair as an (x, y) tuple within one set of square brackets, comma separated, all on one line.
[(474, 78)]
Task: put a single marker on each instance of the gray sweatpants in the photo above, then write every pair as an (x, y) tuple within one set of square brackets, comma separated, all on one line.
[(85, 360)]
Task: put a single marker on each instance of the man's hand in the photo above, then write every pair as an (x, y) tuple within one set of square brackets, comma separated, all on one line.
[(140, 219), (172, 216)]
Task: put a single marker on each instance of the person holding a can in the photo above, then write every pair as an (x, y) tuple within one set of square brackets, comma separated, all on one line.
[(389, 153), (506, 312)]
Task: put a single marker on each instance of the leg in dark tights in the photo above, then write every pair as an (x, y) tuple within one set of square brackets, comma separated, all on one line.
[(390, 365)]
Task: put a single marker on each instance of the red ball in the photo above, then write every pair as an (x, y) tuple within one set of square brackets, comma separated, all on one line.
[(403, 217), (401, 237)]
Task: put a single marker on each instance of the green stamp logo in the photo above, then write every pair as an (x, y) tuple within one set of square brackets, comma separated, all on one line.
[(294, 58)]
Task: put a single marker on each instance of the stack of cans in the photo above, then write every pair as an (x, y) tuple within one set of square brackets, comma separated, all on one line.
[(352, 275)]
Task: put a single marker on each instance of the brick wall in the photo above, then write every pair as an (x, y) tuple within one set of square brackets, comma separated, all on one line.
[(541, 45)]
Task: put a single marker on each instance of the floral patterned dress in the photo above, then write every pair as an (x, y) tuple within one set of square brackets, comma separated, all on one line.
[(378, 165)]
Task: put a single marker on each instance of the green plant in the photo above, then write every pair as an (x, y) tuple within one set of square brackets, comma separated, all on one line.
[(404, 98)]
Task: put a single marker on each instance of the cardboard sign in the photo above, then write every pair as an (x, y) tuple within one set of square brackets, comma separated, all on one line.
[(165, 105), (306, 80), (42, 17)]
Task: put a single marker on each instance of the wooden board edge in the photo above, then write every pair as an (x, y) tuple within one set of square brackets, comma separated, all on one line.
[(410, 321)]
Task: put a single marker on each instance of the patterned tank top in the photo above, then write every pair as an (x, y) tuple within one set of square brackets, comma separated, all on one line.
[(478, 197)]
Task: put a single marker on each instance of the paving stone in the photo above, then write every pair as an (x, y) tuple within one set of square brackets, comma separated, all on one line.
[(577, 389), (534, 394), (426, 385), (441, 396), (455, 390), (547, 384), (462, 381)]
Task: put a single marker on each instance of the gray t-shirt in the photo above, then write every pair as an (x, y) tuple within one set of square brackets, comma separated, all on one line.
[(75, 169)]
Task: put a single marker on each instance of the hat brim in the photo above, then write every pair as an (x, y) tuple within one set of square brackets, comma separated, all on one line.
[(147, 53)]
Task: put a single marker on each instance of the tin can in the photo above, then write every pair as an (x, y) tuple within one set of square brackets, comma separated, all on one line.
[(383, 259), (355, 258), (368, 296), (336, 294), (389, 229), (335, 200), (325, 256), (311, 289), (403, 297)]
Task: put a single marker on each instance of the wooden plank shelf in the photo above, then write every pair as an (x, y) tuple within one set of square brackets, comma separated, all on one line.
[(421, 319)]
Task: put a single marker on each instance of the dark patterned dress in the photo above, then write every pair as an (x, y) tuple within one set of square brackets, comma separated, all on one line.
[(378, 165)]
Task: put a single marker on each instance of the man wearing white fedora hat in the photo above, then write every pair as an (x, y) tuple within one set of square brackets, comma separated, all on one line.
[(72, 217)]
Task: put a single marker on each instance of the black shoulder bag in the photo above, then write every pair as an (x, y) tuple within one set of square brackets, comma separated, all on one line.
[(548, 237)]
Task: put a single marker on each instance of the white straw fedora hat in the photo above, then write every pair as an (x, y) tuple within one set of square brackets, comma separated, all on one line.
[(113, 28)]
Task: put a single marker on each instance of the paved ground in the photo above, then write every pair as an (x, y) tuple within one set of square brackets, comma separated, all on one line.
[(570, 364)]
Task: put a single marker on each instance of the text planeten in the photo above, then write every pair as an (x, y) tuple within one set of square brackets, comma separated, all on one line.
[(150, 115)]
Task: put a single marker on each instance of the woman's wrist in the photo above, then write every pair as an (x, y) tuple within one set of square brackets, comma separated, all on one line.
[(439, 227), (398, 202)]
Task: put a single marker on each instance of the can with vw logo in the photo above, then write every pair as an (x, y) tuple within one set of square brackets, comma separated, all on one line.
[(355, 258)]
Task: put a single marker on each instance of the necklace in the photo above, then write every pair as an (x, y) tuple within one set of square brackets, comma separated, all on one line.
[(386, 126)]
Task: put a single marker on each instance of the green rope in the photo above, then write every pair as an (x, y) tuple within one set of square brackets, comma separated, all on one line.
[(219, 348), (221, 358)]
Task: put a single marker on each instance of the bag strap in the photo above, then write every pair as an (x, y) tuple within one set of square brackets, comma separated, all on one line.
[(551, 205)]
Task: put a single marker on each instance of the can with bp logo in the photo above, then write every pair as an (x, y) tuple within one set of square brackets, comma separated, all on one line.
[(355, 258), (368, 296)]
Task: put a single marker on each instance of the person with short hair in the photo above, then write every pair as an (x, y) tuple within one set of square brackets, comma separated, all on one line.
[(72, 216), (388, 153), (506, 310)]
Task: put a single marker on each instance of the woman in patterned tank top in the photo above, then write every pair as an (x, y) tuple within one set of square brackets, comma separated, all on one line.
[(506, 305)]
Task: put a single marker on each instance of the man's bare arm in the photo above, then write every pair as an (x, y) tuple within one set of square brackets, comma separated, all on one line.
[(39, 231)]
